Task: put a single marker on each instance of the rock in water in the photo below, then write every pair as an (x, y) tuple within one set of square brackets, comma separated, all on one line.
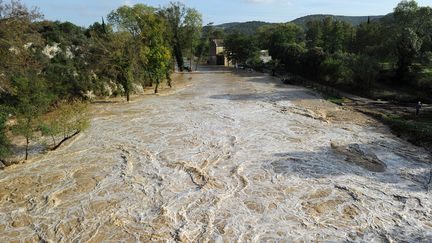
[(359, 156)]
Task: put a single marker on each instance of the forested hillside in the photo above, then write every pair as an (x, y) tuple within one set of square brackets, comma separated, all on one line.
[(353, 20), (251, 27)]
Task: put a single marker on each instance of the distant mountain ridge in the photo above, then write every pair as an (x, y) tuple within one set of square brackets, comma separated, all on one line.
[(250, 27), (354, 20), (247, 28)]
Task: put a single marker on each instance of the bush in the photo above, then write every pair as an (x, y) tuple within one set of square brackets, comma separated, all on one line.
[(66, 120)]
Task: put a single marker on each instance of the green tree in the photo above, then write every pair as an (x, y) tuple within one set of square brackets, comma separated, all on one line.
[(67, 120), (203, 44), (239, 48), (175, 14), (282, 35), (365, 71), (32, 101), (4, 141), (314, 34), (126, 45), (192, 31), (408, 47), (156, 54)]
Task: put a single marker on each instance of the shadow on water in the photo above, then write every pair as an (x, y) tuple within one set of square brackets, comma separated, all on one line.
[(279, 91), (286, 95), (404, 172)]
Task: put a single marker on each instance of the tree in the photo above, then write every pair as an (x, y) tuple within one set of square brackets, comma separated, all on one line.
[(21, 66), (18, 40), (239, 48), (314, 34), (413, 38), (312, 60), (156, 54), (181, 22), (175, 13), (284, 34), (67, 120), (4, 141), (126, 44), (408, 47), (365, 71), (203, 44), (33, 100), (192, 32), (368, 38)]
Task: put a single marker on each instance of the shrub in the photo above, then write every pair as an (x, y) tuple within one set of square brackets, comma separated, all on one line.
[(66, 120)]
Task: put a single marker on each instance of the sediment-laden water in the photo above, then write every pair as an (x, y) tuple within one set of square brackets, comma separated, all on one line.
[(232, 156)]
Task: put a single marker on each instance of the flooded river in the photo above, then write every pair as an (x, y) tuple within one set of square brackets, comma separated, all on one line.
[(230, 157)]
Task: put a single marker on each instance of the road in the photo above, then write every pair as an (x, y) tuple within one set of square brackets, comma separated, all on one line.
[(230, 156)]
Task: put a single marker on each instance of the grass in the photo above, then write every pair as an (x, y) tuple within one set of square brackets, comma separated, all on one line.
[(338, 100), (418, 131)]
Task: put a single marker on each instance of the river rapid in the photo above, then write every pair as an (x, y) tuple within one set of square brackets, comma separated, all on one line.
[(233, 156)]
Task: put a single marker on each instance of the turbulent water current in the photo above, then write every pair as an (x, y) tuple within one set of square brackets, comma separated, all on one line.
[(231, 156)]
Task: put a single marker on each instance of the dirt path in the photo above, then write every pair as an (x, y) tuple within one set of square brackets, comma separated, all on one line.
[(231, 156)]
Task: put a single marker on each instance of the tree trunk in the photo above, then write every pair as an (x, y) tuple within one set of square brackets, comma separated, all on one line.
[(178, 53), (127, 96), (169, 81), (54, 141), (27, 145), (196, 64), (156, 88)]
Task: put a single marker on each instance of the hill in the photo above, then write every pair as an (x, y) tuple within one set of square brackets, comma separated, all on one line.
[(247, 28), (250, 27), (354, 20)]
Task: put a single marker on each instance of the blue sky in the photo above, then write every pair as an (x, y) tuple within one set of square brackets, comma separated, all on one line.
[(86, 12)]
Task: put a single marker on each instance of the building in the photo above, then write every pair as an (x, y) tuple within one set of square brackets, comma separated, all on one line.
[(217, 53)]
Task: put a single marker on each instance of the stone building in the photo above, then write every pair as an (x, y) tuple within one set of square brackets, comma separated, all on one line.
[(217, 54)]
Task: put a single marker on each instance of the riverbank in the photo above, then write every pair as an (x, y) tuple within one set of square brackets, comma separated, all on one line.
[(40, 146), (399, 117)]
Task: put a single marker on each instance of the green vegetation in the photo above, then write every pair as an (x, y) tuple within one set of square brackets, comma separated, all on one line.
[(363, 59), (49, 69), (4, 141), (184, 26), (353, 20), (67, 120), (418, 131)]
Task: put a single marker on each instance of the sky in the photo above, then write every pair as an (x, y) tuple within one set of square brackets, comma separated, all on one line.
[(86, 12)]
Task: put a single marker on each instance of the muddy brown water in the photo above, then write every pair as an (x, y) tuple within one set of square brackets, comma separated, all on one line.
[(231, 156)]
